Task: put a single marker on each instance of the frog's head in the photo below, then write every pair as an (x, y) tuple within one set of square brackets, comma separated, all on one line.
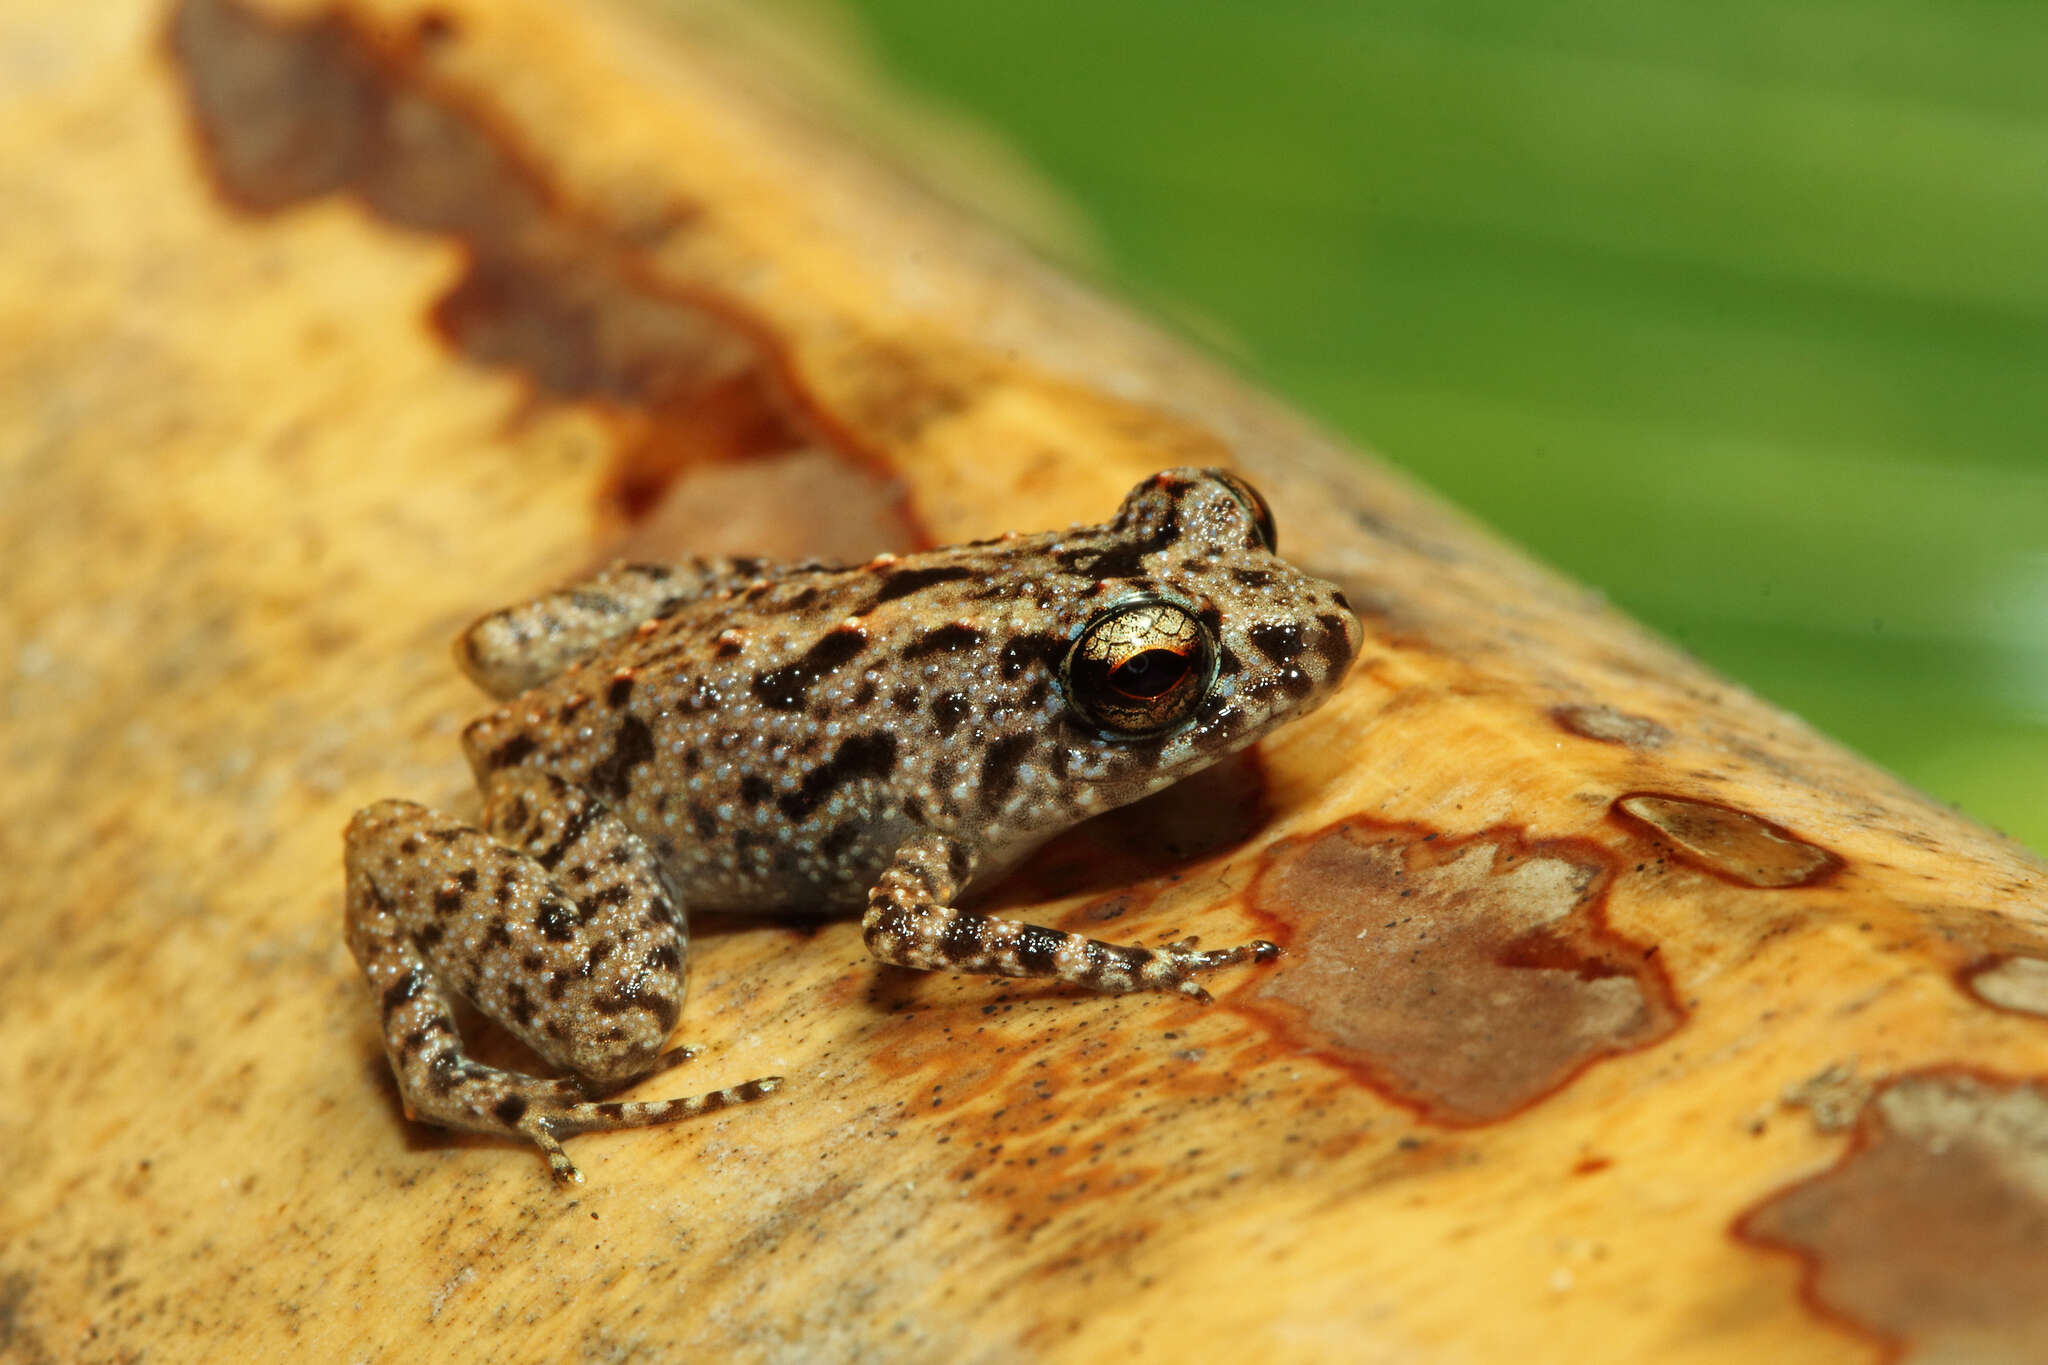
[(1195, 637)]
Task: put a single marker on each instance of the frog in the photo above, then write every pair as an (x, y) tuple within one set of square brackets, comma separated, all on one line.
[(730, 735)]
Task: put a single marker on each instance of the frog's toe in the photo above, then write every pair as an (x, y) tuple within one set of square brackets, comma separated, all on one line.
[(1173, 967), (546, 1125)]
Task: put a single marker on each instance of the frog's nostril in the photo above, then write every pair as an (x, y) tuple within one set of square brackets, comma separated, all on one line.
[(1336, 640)]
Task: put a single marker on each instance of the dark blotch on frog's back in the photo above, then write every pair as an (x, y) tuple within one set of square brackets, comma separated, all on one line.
[(944, 639), (513, 751), (1119, 554), (999, 765), (1020, 653), (862, 756), (948, 711), (783, 689), (904, 582), (632, 745)]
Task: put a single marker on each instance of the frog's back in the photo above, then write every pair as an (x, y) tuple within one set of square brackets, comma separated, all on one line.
[(777, 744)]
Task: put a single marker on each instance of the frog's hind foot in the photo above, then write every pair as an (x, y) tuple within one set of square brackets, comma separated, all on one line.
[(547, 1126), (484, 1099), (554, 920)]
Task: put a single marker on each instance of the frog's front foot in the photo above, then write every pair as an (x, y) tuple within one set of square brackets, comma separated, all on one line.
[(909, 923), (1173, 967)]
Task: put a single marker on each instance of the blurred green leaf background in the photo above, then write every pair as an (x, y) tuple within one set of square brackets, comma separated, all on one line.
[(1737, 311)]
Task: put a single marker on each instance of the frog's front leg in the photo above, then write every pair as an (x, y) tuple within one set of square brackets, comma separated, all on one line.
[(523, 646), (554, 920), (909, 923)]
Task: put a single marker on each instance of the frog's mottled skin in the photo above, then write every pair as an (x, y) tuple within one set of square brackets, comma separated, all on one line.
[(730, 736)]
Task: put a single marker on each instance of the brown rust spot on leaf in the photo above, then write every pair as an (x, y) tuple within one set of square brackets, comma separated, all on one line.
[(1732, 844), (288, 111), (1833, 1097), (2016, 982), (1611, 725), (1930, 1235), (1464, 978)]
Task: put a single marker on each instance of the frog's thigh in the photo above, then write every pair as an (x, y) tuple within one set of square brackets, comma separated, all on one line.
[(909, 923), (523, 646), (585, 967), (560, 928)]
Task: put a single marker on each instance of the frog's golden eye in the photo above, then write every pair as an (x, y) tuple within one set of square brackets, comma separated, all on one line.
[(1262, 515), (1139, 667)]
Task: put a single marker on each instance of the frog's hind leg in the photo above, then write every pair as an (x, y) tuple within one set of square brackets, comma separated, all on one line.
[(523, 646), (909, 923), (555, 921)]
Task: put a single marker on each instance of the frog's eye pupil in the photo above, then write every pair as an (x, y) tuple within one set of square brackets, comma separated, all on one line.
[(1149, 674), (1139, 667)]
